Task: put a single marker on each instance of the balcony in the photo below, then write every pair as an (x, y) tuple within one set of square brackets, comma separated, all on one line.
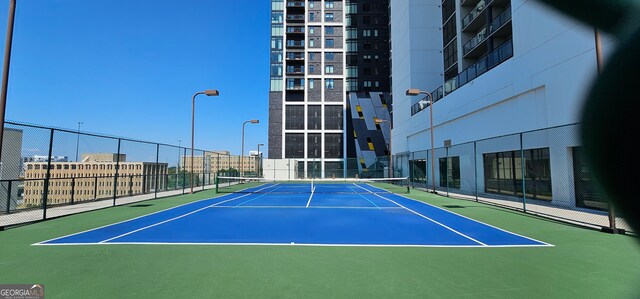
[(295, 18), (471, 21), (295, 30), (293, 70), (483, 65), (497, 25), (295, 56), (473, 43), (295, 44), (295, 4)]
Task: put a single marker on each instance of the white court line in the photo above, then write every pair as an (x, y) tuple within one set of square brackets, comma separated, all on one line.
[(439, 208), (123, 221), (181, 216), (425, 217), (289, 244), (313, 189), (310, 207), (371, 202)]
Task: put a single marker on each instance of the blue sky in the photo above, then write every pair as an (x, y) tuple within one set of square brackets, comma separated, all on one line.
[(129, 68)]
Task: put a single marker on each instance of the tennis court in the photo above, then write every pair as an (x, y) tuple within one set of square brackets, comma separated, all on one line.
[(348, 213)]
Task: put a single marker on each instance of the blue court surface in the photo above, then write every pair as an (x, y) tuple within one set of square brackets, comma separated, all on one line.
[(277, 214)]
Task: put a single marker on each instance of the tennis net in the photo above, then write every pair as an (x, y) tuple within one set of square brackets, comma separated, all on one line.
[(336, 186)]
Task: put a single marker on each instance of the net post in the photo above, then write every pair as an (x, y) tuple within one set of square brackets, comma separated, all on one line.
[(216, 181)]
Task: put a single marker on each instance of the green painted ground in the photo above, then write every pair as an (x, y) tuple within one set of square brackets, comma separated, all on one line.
[(583, 264)]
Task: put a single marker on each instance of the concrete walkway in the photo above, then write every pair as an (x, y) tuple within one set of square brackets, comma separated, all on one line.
[(25, 216)]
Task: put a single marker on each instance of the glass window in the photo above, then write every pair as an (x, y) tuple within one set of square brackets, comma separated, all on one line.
[(328, 4), (311, 83), (333, 117), (314, 117), (276, 43), (503, 173), (329, 43), (328, 84), (328, 69), (314, 145), (311, 42), (294, 117), (328, 17), (312, 56), (329, 56), (294, 145), (312, 16), (333, 146), (312, 69), (366, 32), (450, 172), (276, 17), (312, 29), (329, 30)]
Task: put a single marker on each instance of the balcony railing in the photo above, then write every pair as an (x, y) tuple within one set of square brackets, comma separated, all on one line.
[(295, 70), (484, 64), (500, 20), (475, 12), (295, 4), (295, 29), (475, 41), (295, 43), (295, 56), (485, 32), (296, 17)]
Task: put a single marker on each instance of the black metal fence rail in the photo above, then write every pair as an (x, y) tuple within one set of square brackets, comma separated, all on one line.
[(43, 168)]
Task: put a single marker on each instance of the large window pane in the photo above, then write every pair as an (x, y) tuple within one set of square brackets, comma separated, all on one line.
[(294, 145), (314, 119), (450, 171), (314, 146), (333, 117), (294, 117), (333, 146)]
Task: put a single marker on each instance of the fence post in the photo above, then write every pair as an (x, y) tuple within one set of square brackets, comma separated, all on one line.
[(475, 167), (45, 193), (95, 188), (131, 185), (183, 172), (9, 196), (446, 162), (203, 168), (115, 177), (73, 189), (522, 166), (157, 170)]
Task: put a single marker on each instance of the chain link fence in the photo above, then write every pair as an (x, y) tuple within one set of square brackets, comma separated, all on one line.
[(541, 172), (49, 172)]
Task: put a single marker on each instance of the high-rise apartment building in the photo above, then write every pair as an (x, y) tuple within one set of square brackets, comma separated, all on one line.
[(323, 53), (510, 68)]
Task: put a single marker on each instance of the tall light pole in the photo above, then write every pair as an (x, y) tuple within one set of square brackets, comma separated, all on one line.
[(208, 92), (78, 140), (253, 121), (259, 158), (379, 121), (5, 70), (415, 92)]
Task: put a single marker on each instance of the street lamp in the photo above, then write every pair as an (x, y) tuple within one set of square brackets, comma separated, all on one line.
[(379, 121), (5, 69), (260, 158), (253, 121), (78, 140), (415, 92), (208, 92)]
